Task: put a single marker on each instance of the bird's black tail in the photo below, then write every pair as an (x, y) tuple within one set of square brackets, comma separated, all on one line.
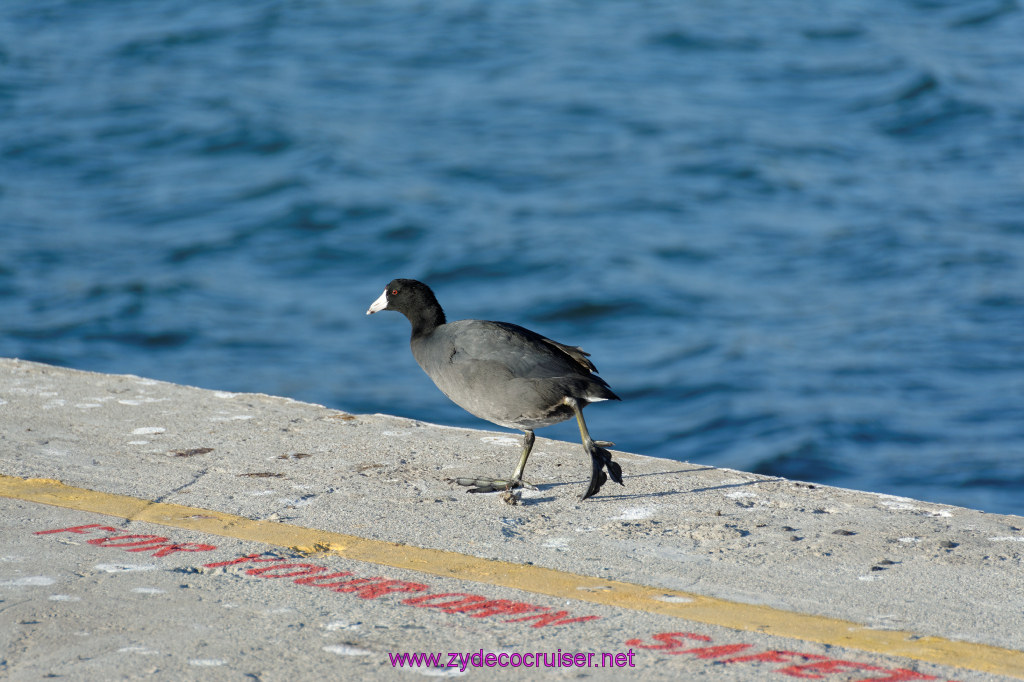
[(601, 459)]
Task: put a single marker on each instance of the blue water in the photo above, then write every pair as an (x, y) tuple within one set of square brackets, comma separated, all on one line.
[(791, 234)]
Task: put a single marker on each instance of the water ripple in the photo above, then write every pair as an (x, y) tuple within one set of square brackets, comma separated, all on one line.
[(791, 241)]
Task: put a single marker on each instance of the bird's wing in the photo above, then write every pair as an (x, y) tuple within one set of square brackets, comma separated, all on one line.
[(521, 352)]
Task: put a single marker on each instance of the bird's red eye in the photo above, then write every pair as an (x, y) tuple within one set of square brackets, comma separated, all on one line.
[(394, 292)]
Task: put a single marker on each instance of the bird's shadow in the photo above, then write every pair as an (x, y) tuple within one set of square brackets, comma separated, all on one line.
[(608, 496), (528, 501)]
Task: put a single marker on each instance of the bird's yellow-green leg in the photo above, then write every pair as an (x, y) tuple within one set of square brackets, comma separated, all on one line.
[(600, 458), (485, 484)]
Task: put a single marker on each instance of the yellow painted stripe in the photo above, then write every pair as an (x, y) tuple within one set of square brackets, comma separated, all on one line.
[(536, 579)]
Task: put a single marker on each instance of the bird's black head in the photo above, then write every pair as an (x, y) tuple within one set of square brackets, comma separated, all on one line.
[(413, 299)]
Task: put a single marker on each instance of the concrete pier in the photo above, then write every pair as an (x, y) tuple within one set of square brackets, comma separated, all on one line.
[(157, 531)]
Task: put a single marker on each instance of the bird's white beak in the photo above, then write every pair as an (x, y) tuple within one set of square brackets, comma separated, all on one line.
[(379, 305)]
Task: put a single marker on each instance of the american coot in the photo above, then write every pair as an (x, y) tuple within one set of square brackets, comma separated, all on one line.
[(505, 374)]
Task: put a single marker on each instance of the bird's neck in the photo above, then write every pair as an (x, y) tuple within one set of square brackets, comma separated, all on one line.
[(426, 320)]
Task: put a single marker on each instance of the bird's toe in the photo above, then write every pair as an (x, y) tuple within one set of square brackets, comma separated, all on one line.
[(486, 484)]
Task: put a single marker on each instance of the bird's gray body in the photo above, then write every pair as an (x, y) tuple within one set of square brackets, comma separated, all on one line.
[(527, 376)]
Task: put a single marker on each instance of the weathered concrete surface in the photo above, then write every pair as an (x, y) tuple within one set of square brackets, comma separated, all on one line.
[(67, 609)]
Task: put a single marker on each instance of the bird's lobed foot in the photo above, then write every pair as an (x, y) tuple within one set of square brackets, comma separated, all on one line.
[(486, 484), (599, 479), (601, 460)]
